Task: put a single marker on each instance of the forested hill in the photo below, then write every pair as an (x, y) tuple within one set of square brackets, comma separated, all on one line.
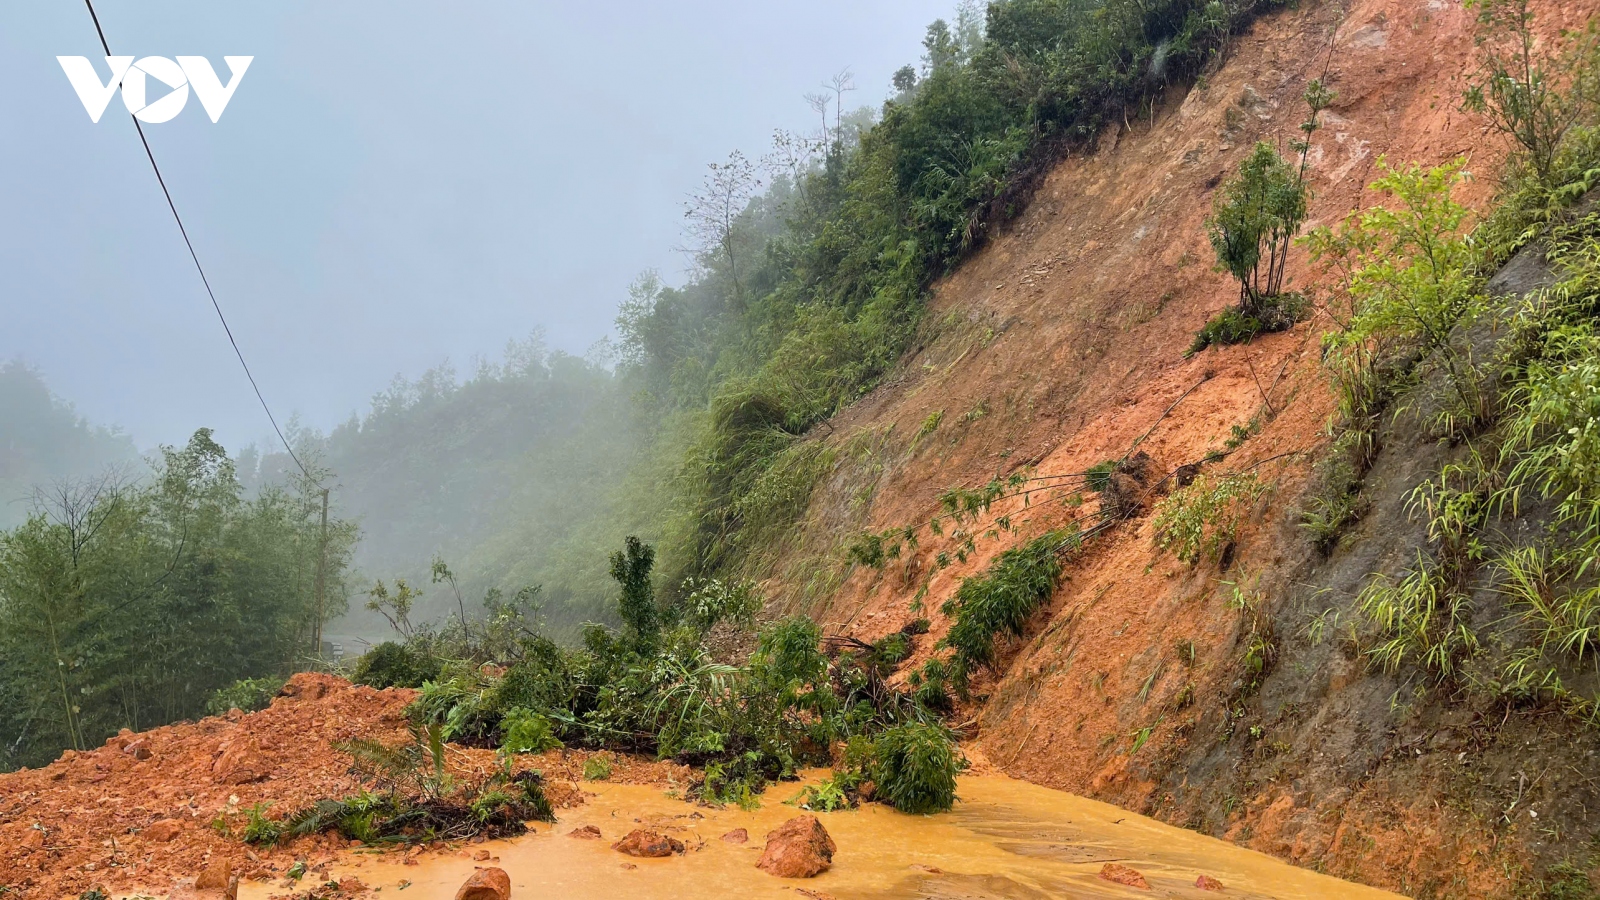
[(511, 476), (43, 440)]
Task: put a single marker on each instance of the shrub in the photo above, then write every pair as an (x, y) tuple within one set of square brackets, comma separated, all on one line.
[(1204, 518), (246, 695), (396, 665), (527, 732), (596, 768), (1001, 599), (914, 767)]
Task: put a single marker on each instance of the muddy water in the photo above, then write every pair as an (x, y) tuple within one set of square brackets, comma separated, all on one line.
[(1005, 840)]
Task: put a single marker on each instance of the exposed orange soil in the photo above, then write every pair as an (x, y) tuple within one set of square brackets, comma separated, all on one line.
[(91, 818), (1061, 343)]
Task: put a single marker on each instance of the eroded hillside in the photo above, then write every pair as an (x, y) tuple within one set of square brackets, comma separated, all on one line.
[(1062, 344)]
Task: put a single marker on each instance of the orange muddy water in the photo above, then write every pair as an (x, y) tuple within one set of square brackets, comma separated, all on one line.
[(1005, 840)]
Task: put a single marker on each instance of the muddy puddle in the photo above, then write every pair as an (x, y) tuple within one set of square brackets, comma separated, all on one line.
[(1006, 840)]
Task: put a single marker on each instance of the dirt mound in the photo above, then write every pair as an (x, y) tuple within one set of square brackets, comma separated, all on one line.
[(138, 812)]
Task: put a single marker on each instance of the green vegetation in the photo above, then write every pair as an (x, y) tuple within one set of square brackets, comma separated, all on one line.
[(812, 291), (653, 688), (1000, 602), (246, 695), (131, 605), (1517, 507), (1254, 220), (1203, 519), (417, 800)]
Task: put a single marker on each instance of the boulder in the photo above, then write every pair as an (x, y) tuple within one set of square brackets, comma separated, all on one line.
[(486, 884), (241, 762), (1123, 875), (162, 830), (215, 882), (1207, 883), (737, 836), (648, 844), (799, 848)]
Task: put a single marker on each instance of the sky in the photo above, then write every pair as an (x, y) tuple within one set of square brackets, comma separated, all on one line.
[(393, 184)]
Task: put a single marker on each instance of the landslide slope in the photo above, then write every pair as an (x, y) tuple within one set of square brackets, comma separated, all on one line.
[(1062, 344)]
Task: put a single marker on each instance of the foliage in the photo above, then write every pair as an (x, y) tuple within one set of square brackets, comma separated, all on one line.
[(1204, 518), (1534, 98), (130, 605), (630, 567), (1235, 326), (246, 695), (596, 768), (527, 732), (1001, 601), (392, 664), (418, 801), (811, 293), (708, 601), (914, 767)]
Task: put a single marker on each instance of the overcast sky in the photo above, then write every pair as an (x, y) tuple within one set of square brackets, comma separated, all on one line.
[(393, 183)]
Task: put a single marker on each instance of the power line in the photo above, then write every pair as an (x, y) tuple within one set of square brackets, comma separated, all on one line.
[(194, 256)]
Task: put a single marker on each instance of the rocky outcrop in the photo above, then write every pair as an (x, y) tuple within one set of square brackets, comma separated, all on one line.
[(799, 848)]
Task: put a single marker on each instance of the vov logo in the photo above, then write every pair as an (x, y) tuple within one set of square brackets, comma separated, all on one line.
[(134, 77)]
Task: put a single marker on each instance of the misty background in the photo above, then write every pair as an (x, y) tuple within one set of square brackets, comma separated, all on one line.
[(394, 184)]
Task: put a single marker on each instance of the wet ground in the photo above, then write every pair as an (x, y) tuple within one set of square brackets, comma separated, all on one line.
[(1005, 840)]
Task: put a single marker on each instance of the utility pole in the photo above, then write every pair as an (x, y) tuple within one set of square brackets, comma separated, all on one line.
[(322, 580)]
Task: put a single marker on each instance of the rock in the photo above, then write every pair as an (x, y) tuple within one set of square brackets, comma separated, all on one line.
[(1123, 875), (217, 877), (306, 686), (486, 884), (587, 833), (162, 830), (241, 762), (648, 844), (352, 885), (481, 856), (799, 848), (139, 749), (737, 836), (1207, 883)]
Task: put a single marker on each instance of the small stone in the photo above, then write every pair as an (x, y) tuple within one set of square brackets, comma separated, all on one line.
[(586, 833), (737, 836), (162, 830), (648, 844), (799, 848), (486, 884), (351, 885), (1117, 874), (481, 856), (1207, 883)]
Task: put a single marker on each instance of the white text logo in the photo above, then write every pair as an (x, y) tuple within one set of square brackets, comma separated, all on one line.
[(134, 77)]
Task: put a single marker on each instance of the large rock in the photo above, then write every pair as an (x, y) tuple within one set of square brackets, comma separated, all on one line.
[(649, 844), (241, 762), (486, 884), (799, 848)]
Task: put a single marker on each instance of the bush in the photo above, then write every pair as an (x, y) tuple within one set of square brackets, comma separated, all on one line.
[(1236, 326), (1001, 600), (596, 768), (914, 767), (527, 732), (396, 665), (247, 695), (1203, 519)]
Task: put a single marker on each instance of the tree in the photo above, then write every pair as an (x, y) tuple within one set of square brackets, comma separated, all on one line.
[(841, 83), (713, 214), (1259, 211), (630, 566), (1532, 97)]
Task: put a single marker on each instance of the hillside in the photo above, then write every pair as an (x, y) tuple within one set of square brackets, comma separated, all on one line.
[(1061, 344)]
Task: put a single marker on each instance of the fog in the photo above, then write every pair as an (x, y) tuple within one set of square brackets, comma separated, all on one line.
[(393, 184)]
